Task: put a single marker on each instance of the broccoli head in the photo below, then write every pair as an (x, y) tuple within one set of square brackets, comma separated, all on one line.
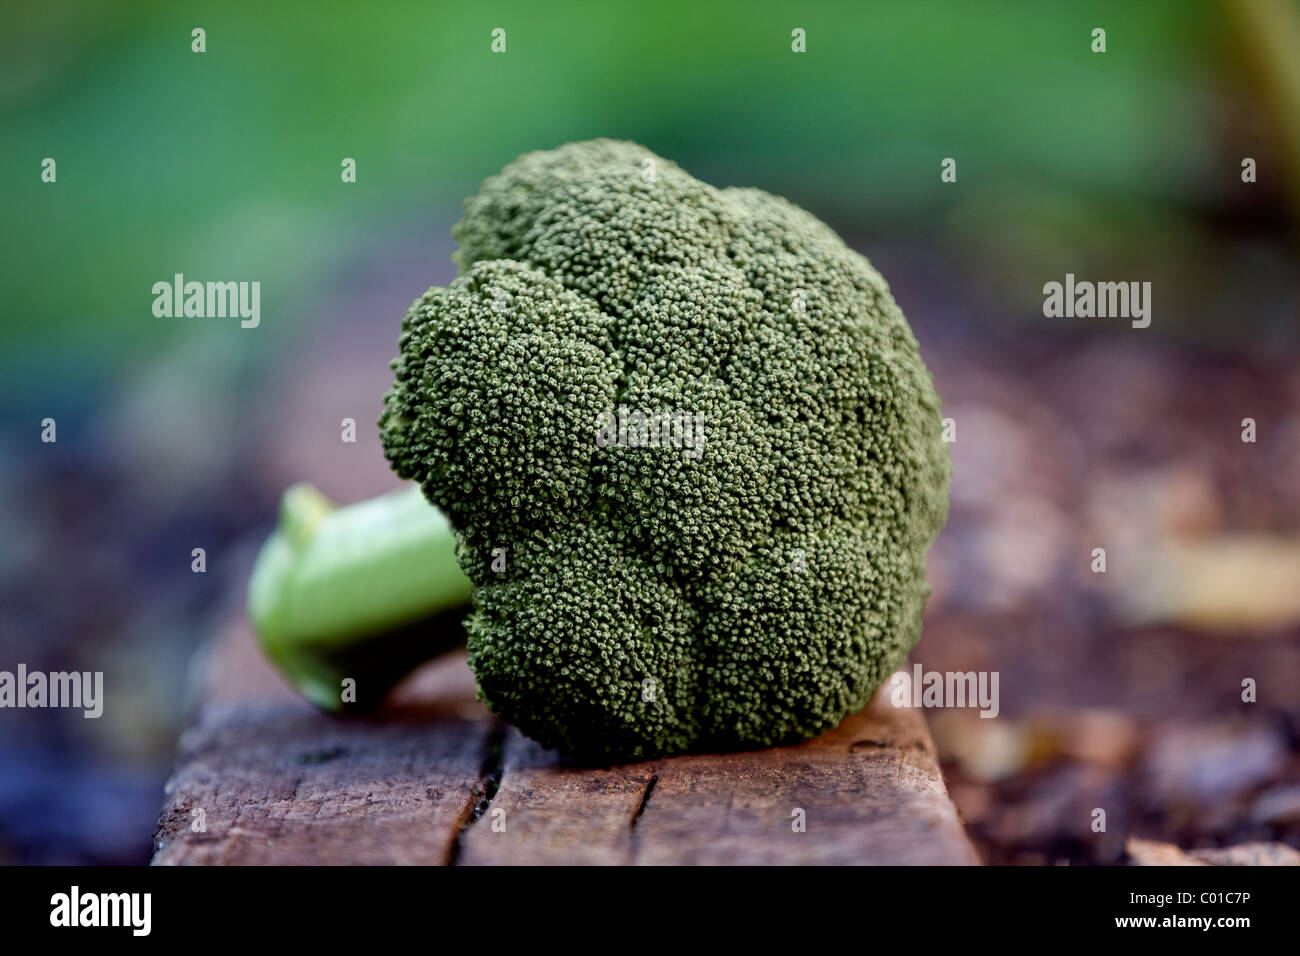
[(689, 448)]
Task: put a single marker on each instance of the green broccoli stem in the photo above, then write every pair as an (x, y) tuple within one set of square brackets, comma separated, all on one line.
[(364, 592)]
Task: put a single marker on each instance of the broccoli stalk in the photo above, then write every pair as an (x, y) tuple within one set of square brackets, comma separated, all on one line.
[(339, 593)]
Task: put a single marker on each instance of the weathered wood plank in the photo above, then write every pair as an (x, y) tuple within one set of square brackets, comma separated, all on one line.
[(869, 791), (435, 779), (546, 811), (276, 781)]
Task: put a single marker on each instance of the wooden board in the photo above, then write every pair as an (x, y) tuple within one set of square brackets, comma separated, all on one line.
[(262, 777)]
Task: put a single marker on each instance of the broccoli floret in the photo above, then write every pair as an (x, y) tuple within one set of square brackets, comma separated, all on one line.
[(630, 601)]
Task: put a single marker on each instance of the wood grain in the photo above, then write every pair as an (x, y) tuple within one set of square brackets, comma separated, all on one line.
[(434, 779)]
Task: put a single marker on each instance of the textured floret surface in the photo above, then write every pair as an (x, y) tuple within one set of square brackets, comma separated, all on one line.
[(630, 601)]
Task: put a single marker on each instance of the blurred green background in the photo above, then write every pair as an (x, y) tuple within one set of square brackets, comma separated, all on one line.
[(225, 165)]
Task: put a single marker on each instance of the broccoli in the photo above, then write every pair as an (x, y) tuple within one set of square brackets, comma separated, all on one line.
[(633, 596)]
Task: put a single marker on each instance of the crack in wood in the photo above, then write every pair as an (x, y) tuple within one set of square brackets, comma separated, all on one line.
[(645, 798), (491, 770)]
